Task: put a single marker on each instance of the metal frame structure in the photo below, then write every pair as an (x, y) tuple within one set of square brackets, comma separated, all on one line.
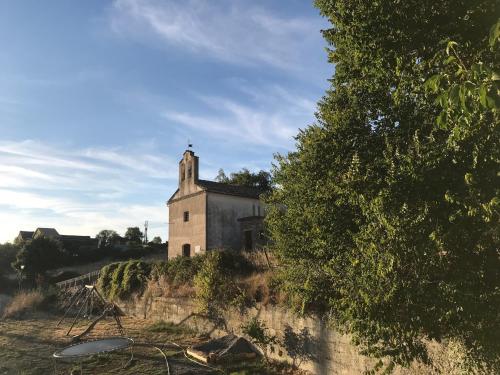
[(89, 298)]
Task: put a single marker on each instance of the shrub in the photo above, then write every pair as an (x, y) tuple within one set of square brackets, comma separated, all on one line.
[(23, 303), (182, 270), (211, 284), (214, 283), (104, 281), (135, 275), (258, 333), (120, 280)]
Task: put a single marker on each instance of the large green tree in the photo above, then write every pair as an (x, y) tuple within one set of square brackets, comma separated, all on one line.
[(261, 179), (134, 235), (37, 256), (107, 238), (386, 217)]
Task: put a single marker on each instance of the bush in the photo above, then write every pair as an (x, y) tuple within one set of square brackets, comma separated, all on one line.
[(104, 281), (258, 333), (211, 284), (23, 303), (182, 270), (120, 280), (135, 276)]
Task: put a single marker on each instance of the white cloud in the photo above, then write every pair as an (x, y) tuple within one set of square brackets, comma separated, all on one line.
[(232, 31), (272, 118), (81, 191)]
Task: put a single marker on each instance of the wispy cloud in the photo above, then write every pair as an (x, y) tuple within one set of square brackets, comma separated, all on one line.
[(271, 118), (81, 191), (232, 31)]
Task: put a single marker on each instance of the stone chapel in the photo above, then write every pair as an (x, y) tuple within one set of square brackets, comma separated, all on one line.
[(206, 215)]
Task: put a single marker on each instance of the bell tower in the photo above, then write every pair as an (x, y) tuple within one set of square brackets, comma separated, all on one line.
[(188, 173)]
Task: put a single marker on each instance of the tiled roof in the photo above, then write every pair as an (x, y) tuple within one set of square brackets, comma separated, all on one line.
[(26, 235), (241, 191)]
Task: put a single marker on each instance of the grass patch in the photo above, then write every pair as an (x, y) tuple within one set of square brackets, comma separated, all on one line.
[(170, 328), (23, 303)]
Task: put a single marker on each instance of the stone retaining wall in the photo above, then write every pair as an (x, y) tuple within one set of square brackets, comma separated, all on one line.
[(309, 343)]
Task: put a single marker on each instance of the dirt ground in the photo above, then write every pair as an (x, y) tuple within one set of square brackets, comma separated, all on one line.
[(27, 345)]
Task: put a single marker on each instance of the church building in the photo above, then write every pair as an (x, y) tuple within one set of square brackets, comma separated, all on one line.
[(206, 215)]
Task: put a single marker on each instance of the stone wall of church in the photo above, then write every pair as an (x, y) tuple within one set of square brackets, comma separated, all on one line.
[(191, 232), (223, 212)]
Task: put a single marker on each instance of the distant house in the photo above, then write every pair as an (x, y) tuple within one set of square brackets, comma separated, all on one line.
[(69, 241), (46, 232), (24, 236), (205, 215)]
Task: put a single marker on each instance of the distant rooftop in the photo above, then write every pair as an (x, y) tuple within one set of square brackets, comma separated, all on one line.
[(47, 232)]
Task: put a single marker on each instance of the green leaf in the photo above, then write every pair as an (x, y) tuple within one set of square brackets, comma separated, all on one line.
[(494, 33), (432, 84), (442, 100), (483, 91), (441, 120), (450, 45), (462, 95), (453, 95), (449, 60), (469, 86)]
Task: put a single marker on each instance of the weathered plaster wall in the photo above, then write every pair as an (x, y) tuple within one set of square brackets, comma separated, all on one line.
[(223, 212), (190, 232)]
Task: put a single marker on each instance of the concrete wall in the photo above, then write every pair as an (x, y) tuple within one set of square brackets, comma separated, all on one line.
[(191, 232), (329, 352), (223, 212)]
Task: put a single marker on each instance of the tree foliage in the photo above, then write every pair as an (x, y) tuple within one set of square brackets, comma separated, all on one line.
[(133, 234), (107, 238), (261, 179), (391, 224), (157, 240), (8, 253), (38, 256)]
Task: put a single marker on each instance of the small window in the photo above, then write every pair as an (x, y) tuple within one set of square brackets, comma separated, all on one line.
[(190, 171), (186, 250), (186, 215)]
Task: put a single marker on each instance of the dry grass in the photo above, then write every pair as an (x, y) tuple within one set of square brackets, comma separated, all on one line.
[(261, 260), (26, 347), (163, 288), (23, 303), (256, 287)]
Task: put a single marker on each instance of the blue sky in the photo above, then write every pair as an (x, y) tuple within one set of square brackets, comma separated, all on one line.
[(99, 98)]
